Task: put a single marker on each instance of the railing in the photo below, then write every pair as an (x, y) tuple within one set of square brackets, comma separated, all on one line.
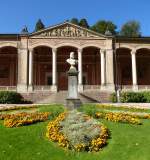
[(42, 88), (126, 87), (8, 88), (87, 87), (140, 87), (144, 87)]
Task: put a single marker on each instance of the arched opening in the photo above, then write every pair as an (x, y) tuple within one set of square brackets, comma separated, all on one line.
[(8, 66), (143, 66), (123, 67), (42, 66), (63, 54), (91, 66)]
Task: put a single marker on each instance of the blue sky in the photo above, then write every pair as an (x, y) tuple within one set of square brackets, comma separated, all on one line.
[(14, 14)]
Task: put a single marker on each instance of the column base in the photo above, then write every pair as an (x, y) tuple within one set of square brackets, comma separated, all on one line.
[(30, 88), (103, 87), (22, 88), (54, 88), (135, 87), (80, 88), (108, 87)]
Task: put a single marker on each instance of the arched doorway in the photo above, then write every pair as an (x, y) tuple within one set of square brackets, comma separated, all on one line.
[(91, 66), (123, 67), (143, 66), (8, 66), (63, 54), (42, 67)]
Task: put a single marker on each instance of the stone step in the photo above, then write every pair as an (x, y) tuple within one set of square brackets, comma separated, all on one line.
[(36, 96), (100, 97), (60, 98)]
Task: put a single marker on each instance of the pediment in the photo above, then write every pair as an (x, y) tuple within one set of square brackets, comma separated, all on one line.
[(67, 30)]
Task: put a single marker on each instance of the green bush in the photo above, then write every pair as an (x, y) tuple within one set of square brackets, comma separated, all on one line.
[(113, 98), (147, 96), (10, 97), (137, 97), (132, 97)]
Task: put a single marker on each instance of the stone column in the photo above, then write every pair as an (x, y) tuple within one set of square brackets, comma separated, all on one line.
[(102, 52), (30, 87), (80, 76), (22, 70), (134, 70), (54, 70), (109, 55), (22, 64)]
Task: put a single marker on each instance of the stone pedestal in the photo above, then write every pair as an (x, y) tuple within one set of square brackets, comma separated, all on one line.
[(72, 101)]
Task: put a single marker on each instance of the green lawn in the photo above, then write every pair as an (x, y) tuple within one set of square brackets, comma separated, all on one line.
[(127, 142)]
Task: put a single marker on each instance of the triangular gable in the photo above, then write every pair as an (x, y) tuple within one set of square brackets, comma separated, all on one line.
[(67, 29)]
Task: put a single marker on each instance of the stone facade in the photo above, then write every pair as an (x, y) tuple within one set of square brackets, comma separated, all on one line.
[(37, 61)]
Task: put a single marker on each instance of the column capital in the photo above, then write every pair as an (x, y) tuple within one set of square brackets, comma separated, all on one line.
[(54, 50), (30, 49), (103, 51), (80, 50), (133, 51)]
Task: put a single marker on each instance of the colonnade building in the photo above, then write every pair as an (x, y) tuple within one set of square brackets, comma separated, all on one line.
[(36, 61)]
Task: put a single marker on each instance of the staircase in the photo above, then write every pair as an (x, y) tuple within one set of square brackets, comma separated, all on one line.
[(98, 96), (60, 98)]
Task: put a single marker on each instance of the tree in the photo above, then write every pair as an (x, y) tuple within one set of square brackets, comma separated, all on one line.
[(39, 25), (74, 21), (83, 23), (24, 30), (104, 26), (131, 29)]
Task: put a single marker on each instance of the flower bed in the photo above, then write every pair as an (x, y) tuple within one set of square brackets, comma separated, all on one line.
[(119, 117), (20, 119), (78, 132)]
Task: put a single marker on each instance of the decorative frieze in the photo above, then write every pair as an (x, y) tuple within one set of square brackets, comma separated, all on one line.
[(67, 31)]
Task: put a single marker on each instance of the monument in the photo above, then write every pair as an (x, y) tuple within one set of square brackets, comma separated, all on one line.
[(72, 100)]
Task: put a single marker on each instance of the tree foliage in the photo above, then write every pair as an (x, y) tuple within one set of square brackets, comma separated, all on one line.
[(102, 26), (39, 25), (83, 23), (131, 29), (24, 30), (75, 21)]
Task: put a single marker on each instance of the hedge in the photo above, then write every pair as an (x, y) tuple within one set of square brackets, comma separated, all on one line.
[(10, 97), (137, 97)]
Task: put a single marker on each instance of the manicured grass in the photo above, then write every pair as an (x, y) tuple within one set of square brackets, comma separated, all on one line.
[(127, 142), (91, 109)]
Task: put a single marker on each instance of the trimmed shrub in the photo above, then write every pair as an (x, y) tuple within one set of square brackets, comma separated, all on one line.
[(132, 97), (146, 96), (10, 97), (137, 97)]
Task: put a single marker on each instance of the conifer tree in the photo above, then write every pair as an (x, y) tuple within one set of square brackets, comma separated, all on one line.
[(39, 25)]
